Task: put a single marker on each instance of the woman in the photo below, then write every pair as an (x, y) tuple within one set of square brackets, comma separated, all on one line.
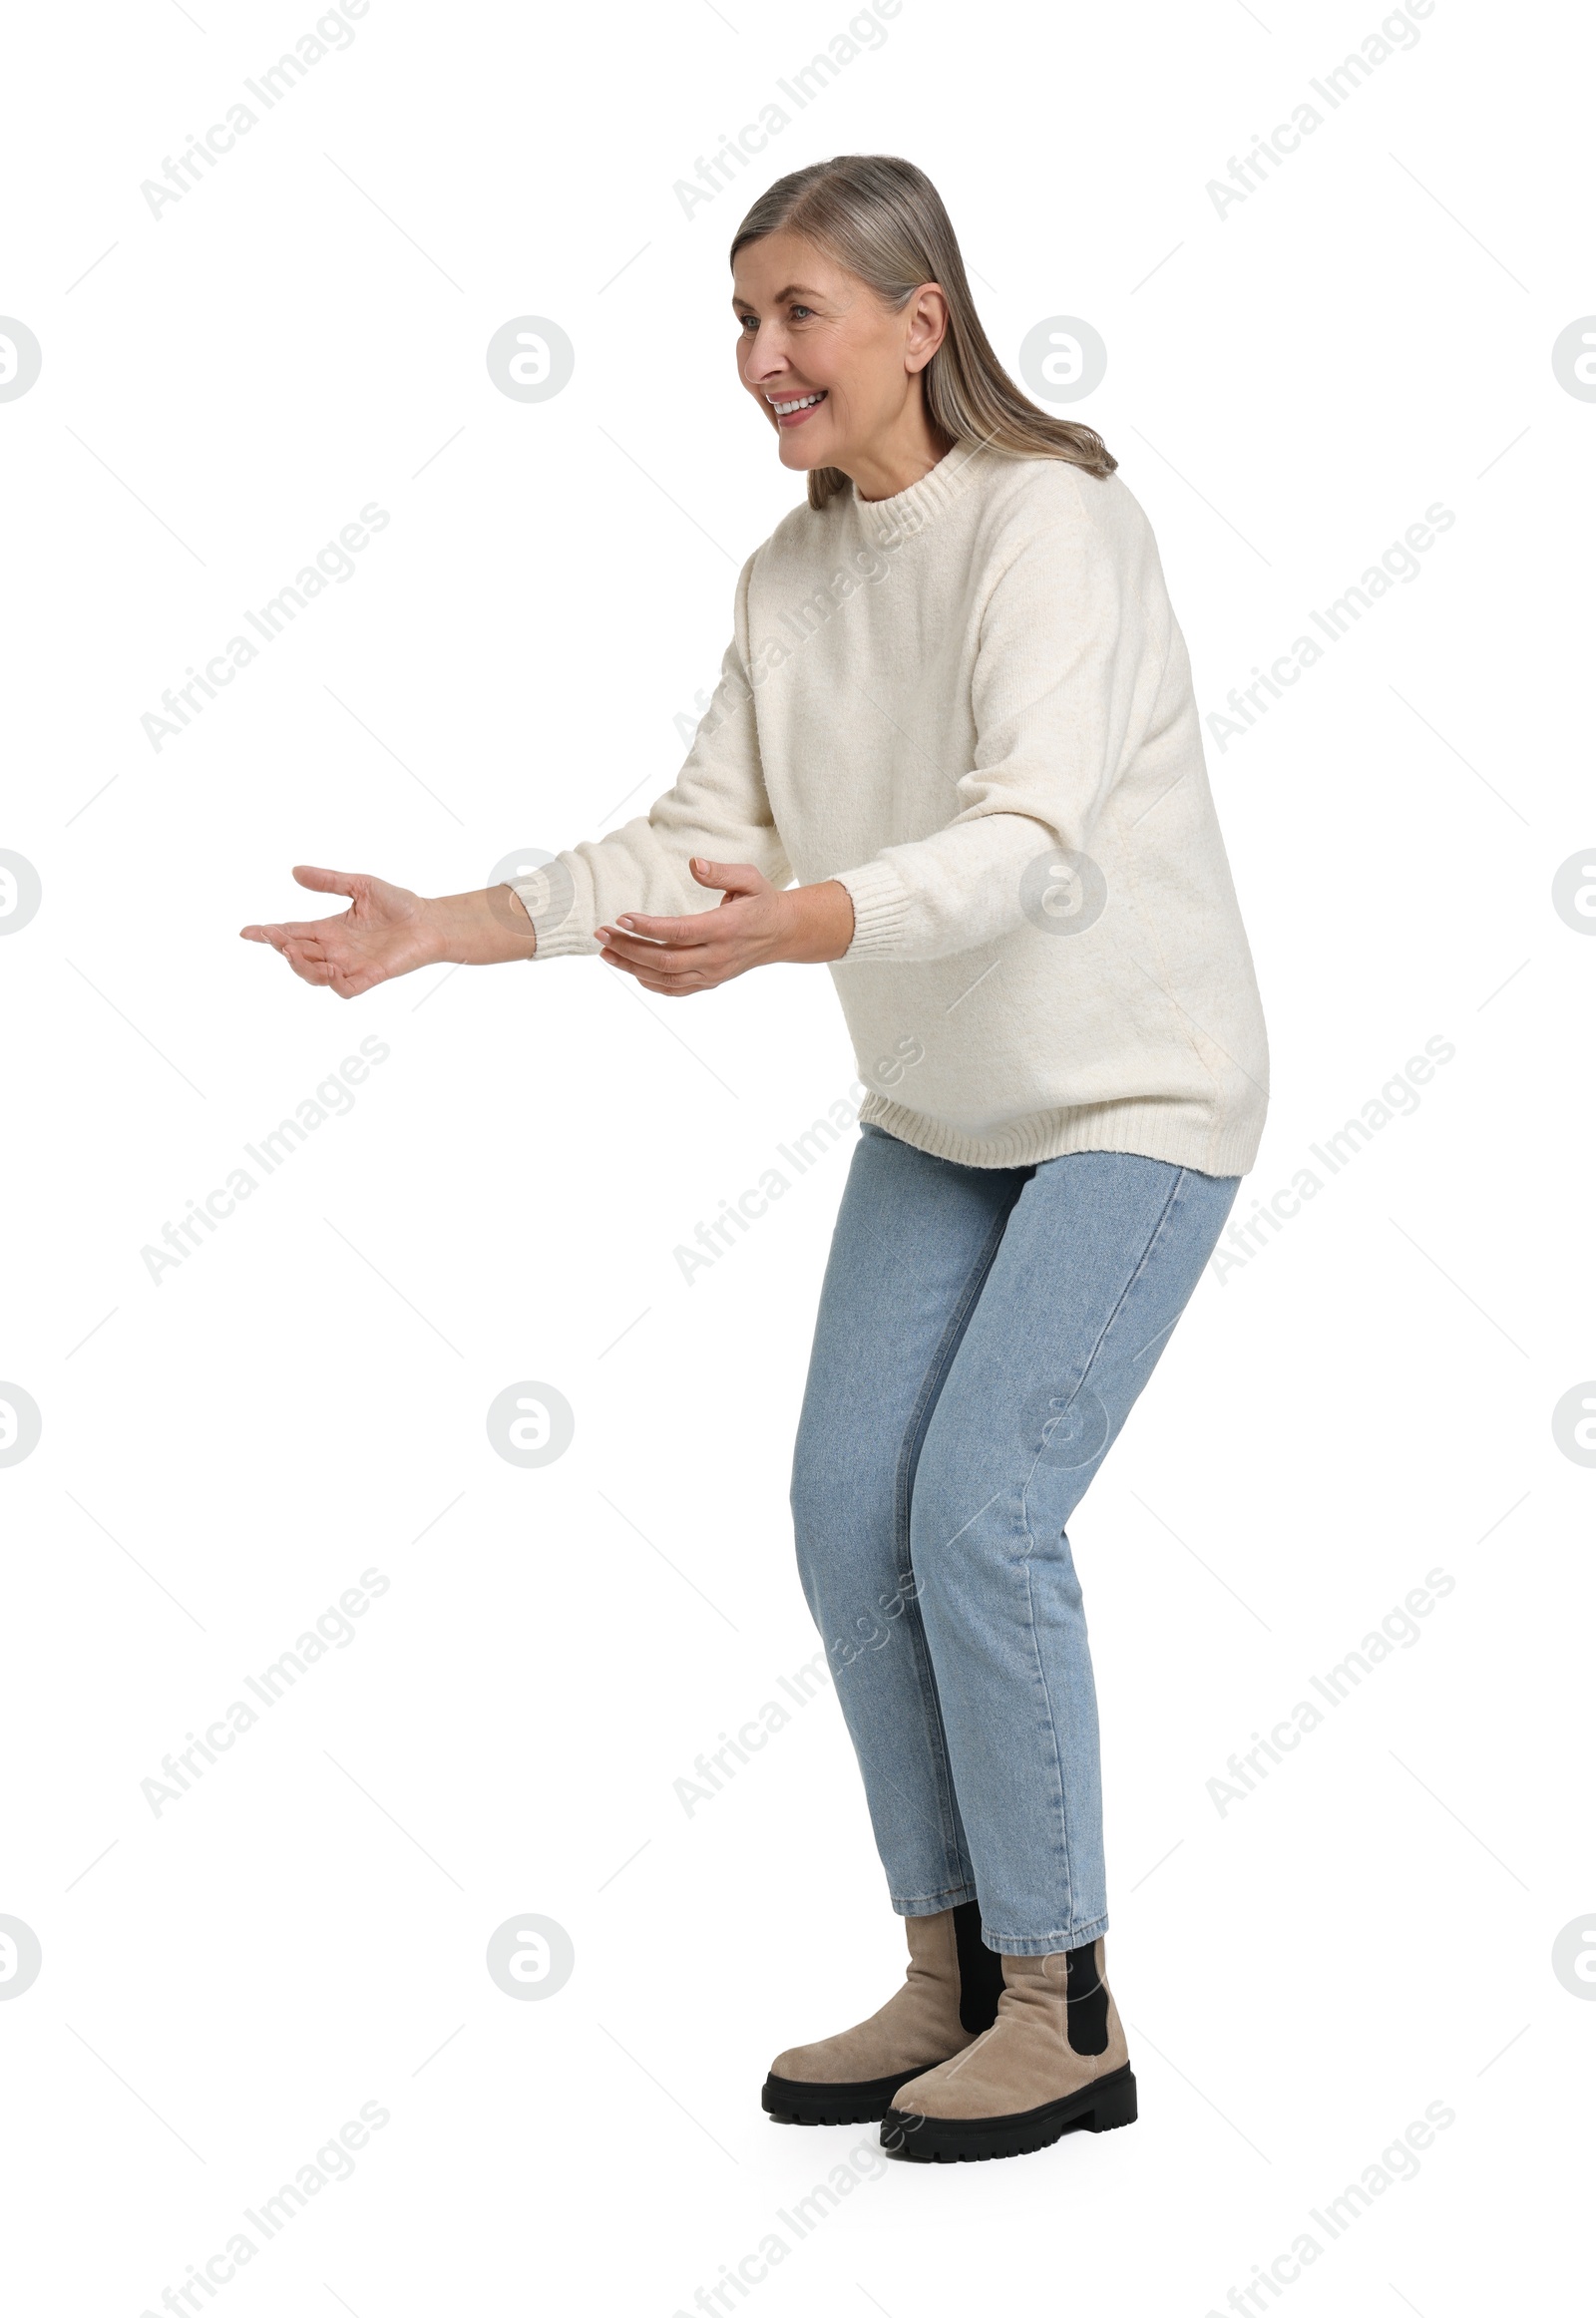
[(957, 709)]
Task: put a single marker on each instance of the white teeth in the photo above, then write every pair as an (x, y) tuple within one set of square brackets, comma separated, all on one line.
[(802, 404)]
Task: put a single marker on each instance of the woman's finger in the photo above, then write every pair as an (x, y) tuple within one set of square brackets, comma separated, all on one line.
[(736, 879), (626, 966), (326, 881), (308, 965), (301, 929), (277, 936), (674, 986), (672, 931), (673, 990), (317, 930), (661, 955)]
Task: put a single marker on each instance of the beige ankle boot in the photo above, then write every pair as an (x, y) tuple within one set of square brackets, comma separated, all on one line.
[(1053, 2060), (950, 1995)]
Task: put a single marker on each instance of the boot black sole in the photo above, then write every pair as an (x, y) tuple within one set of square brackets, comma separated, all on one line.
[(788, 2102), (951, 2140)]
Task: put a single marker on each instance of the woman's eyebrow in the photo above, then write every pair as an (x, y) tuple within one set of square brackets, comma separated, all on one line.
[(793, 290)]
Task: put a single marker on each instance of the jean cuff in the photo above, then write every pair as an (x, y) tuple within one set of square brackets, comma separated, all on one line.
[(933, 1903), (1042, 1943)]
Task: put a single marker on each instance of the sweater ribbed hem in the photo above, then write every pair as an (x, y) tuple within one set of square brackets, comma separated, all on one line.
[(1147, 1130), (881, 903)]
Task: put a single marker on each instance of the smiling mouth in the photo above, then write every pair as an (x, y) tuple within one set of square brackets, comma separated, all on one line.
[(795, 406)]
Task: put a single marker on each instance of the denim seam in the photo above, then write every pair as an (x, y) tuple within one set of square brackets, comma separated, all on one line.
[(1153, 1237), (1052, 1723), (960, 1867), (908, 1457), (936, 1738), (1031, 1545), (1102, 1338)]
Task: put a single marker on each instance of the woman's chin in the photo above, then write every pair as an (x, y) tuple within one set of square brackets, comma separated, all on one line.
[(801, 455)]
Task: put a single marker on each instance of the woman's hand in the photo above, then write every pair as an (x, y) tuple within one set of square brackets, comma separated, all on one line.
[(388, 931), (756, 925)]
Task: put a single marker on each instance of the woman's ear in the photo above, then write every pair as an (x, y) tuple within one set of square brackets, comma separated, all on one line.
[(928, 326)]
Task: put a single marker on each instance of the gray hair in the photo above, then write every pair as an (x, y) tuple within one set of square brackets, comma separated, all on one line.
[(884, 221)]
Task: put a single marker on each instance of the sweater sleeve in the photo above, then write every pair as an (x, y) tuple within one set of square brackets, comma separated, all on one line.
[(1065, 670), (716, 808)]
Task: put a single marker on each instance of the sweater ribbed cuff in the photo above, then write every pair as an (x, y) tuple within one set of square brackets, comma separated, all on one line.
[(563, 942), (549, 900), (882, 902)]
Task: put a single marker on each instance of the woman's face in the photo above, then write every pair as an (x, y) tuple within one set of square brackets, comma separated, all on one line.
[(835, 371)]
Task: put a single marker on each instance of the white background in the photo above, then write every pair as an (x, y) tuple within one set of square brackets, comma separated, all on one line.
[(225, 1452)]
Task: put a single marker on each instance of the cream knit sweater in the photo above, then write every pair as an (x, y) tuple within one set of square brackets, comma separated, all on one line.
[(971, 703)]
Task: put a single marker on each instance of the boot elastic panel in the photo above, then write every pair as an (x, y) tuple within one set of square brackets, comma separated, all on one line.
[(1086, 2001), (981, 1972)]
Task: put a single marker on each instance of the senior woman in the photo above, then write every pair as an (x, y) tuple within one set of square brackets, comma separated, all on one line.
[(958, 710)]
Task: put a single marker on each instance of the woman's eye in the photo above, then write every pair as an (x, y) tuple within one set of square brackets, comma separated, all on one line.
[(797, 310)]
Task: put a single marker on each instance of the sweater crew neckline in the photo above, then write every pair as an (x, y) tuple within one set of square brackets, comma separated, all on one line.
[(910, 511)]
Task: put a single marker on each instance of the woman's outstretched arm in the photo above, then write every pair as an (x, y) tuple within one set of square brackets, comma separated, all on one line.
[(612, 894), (388, 931)]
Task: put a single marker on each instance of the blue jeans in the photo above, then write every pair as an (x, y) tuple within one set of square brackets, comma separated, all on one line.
[(982, 1335)]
